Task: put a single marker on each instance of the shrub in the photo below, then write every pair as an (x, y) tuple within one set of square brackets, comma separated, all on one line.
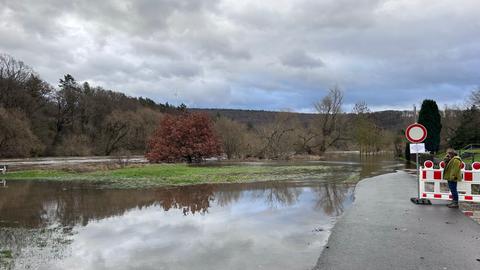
[(186, 137)]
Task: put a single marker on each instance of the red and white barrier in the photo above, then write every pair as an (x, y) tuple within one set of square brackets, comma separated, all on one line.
[(432, 185)]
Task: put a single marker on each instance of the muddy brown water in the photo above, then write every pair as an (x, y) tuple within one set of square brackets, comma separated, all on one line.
[(263, 225)]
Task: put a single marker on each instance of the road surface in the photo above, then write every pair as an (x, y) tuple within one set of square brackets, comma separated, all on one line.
[(384, 230)]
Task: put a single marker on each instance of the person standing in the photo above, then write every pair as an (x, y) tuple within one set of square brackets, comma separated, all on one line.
[(452, 174)]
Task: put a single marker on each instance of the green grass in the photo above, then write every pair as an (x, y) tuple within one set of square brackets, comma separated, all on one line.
[(37, 174), (474, 157), (6, 254), (176, 174), (6, 257), (441, 155)]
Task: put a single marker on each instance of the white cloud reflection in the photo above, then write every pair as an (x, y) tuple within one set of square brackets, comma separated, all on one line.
[(248, 233)]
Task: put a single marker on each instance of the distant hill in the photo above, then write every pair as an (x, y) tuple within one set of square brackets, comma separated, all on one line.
[(251, 117), (390, 119)]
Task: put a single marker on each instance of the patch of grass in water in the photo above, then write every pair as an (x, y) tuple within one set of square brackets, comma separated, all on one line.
[(180, 174), (37, 174)]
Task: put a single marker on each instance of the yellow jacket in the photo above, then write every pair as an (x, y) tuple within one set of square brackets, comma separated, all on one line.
[(452, 171)]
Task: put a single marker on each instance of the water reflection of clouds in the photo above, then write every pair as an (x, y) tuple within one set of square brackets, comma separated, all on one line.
[(229, 237), (224, 226), (273, 225)]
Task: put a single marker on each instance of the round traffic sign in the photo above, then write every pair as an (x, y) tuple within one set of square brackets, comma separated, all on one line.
[(416, 133)]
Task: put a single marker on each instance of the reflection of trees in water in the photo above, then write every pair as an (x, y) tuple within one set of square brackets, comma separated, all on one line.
[(227, 194), (281, 193), (273, 193), (331, 197), (191, 199), (40, 204), (36, 205), (36, 218), (373, 164)]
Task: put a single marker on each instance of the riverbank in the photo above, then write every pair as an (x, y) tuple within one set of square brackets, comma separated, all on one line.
[(148, 175), (384, 230)]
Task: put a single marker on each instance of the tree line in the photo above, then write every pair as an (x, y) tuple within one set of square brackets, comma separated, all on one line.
[(460, 123), (455, 126), (77, 119), (287, 136), (74, 119)]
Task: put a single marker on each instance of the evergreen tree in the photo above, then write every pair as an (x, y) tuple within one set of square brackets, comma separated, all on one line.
[(408, 156), (429, 116)]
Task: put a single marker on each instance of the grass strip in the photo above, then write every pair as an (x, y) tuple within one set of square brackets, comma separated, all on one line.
[(178, 174)]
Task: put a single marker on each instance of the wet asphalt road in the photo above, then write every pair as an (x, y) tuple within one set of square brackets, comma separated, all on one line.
[(384, 230)]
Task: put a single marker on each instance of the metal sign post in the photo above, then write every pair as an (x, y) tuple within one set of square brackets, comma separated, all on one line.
[(417, 148), (418, 172), (417, 133)]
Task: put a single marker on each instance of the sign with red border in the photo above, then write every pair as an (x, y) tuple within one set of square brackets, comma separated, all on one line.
[(416, 133)]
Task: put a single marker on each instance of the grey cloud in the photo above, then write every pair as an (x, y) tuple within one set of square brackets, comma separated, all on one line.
[(34, 17), (183, 69), (337, 14), (157, 48), (251, 54), (300, 59), (143, 17), (136, 17), (211, 43)]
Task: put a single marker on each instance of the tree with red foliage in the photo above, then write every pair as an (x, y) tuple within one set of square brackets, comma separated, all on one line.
[(185, 137)]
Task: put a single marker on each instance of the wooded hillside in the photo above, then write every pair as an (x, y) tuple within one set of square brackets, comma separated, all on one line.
[(77, 119), (74, 119)]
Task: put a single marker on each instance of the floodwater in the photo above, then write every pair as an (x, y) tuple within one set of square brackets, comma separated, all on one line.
[(68, 162), (264, 225)]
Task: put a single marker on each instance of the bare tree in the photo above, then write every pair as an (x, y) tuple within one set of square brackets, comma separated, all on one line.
[(16, 137), (368, 136), (475, 97), (21, 88), (364, 128), (278, 139), (329, 110), (13, 73), (232, 135), (360, 108), (306, 140), (74, 145), (117, 128)]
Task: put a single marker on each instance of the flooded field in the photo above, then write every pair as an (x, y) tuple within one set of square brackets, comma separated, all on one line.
[(264, 225)]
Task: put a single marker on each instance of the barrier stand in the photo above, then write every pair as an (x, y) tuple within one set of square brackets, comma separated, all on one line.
[(419, 199), (433, 186)]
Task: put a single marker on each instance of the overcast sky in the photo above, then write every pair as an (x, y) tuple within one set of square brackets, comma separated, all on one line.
[(254, 54)]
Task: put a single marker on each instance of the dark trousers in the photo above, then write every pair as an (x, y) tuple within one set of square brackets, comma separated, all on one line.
[(452, 185)]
